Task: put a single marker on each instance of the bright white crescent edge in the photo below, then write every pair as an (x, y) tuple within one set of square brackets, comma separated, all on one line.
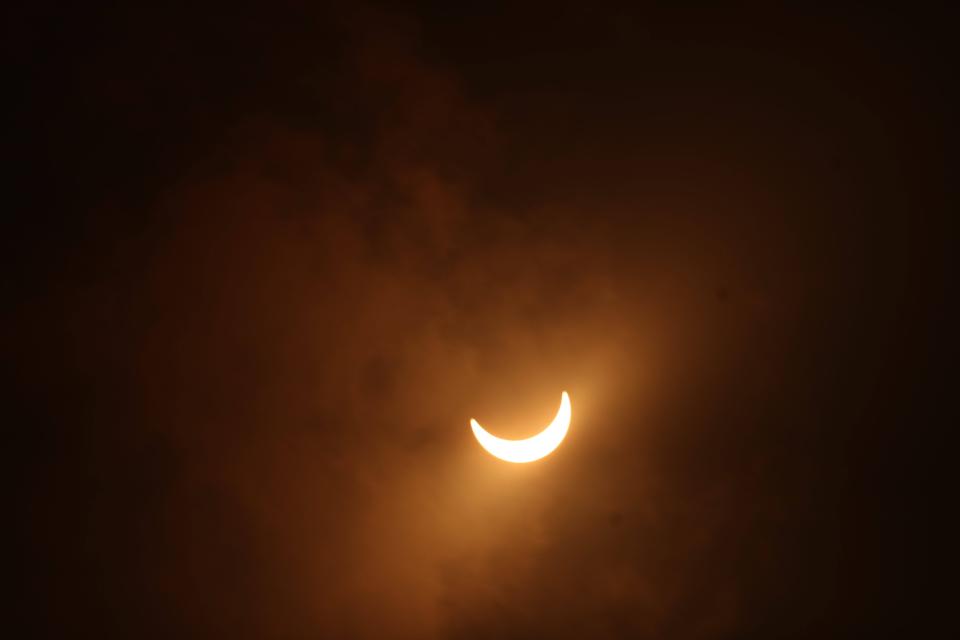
[(532, 448)]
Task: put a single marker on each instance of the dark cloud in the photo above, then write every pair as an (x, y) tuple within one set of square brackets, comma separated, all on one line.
[(308, 247)]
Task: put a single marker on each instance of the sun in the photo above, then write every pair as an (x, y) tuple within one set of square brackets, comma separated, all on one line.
[(532, 448)]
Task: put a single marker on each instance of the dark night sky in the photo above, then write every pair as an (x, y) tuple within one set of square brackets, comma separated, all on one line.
[(269, 260)]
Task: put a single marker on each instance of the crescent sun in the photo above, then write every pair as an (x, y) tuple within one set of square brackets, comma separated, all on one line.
[(532, 448)]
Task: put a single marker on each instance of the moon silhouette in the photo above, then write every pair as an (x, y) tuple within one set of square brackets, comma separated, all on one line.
[(532, 448)]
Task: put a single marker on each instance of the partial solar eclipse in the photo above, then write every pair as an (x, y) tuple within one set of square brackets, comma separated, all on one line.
[(532, 448)]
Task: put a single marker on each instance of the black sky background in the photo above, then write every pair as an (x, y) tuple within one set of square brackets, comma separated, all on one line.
[(266, 262)]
